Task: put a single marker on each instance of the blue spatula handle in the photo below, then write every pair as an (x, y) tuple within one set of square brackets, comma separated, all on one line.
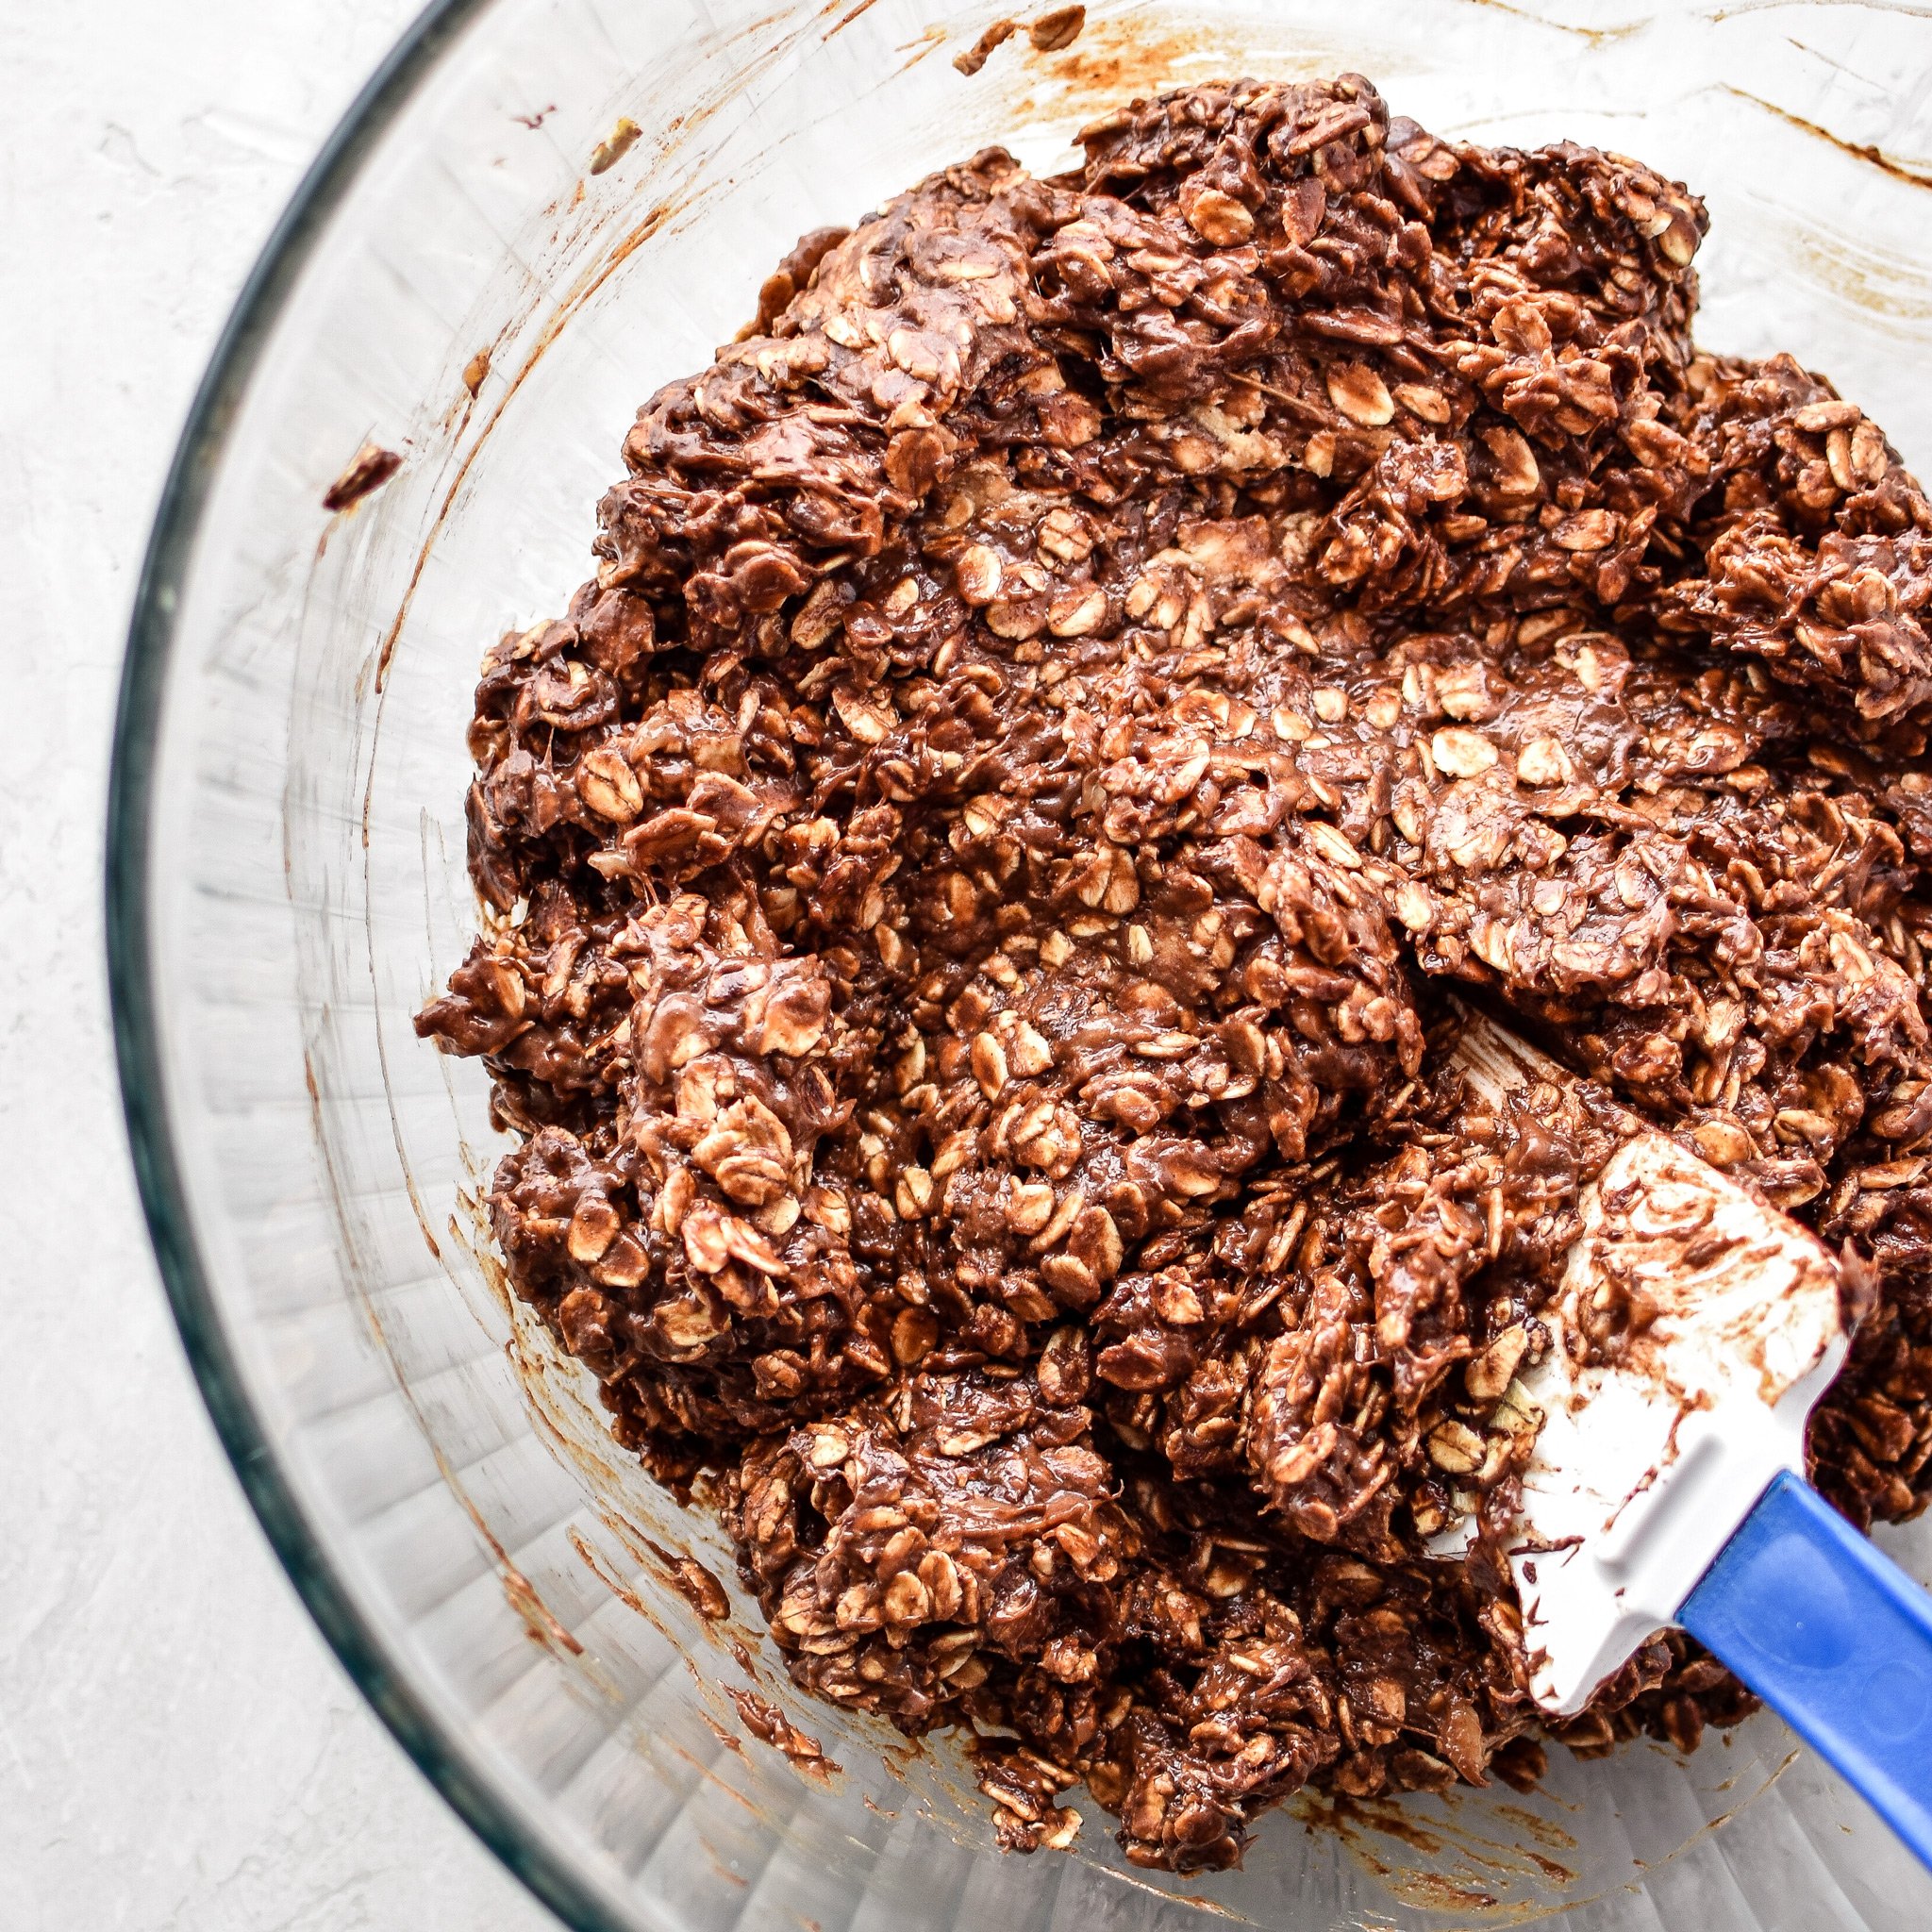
[(1837, 1639)]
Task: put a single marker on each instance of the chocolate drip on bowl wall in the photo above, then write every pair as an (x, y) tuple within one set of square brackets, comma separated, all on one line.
[(970, 887)]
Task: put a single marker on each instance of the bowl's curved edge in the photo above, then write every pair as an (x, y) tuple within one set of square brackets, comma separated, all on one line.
[(137, 1043)]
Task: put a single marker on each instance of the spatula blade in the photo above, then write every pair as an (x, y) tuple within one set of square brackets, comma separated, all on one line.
[(1718, 1325)]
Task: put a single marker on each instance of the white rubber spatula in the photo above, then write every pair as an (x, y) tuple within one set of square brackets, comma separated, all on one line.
[(1668, 1487)]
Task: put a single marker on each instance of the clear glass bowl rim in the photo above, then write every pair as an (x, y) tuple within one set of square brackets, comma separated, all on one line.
[(429, 1741)]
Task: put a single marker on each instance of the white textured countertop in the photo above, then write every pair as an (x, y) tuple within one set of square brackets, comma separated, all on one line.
[(178, 1747)]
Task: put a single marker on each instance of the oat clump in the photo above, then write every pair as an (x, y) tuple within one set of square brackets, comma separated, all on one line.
[(971, 879)]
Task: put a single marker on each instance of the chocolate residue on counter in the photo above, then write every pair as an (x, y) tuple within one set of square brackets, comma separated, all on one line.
[(970, 887)]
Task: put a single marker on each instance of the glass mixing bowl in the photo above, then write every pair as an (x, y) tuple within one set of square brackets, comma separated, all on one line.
[(483, 278)]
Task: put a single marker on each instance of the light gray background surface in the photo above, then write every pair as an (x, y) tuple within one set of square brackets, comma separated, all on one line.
[(178, 1747)]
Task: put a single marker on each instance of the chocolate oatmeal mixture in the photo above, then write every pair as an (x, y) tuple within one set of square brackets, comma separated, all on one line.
[(974, 882)]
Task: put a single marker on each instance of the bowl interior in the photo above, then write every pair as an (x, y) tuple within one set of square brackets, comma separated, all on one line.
[(461, 286)]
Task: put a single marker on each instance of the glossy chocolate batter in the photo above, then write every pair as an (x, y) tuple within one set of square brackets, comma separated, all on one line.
[(969, 883)]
